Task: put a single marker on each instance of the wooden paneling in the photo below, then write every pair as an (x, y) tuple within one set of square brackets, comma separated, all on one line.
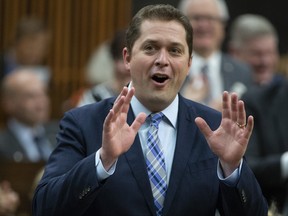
[(77, 28)]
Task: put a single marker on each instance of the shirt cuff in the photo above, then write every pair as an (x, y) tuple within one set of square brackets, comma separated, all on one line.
[(232, 179), (284, 165), (100, 170)]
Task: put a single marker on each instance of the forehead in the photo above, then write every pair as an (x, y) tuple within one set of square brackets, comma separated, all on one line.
[(162, 30), (202, 7)]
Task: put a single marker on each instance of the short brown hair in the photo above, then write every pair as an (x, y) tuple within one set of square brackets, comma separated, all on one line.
[(158, 12)]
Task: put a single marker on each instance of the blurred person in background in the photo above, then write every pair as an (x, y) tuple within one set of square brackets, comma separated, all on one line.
[(267, 152), (29, 134), (212, 71), (110, 84), (254, 40), (29, 49), (120, 76)]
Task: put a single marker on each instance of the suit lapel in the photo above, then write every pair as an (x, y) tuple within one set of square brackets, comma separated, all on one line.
[(183, 151), (137, 164)]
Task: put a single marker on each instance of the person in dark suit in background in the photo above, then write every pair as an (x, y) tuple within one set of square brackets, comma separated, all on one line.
[(267, 153), (103, 163), (212, 71), (29, 134)]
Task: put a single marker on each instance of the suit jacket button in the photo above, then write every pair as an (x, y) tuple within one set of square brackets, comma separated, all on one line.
[(243, 196)]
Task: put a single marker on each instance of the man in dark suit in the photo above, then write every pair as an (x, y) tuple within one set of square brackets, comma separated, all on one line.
[(103, 163), (28, 135), (267, 151), (212, 71)]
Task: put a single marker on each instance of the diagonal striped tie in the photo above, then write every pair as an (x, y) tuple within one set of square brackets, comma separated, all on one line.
[(156, 164)]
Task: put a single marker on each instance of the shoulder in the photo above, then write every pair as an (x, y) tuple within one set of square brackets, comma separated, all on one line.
[(194, 109), (96, 111)]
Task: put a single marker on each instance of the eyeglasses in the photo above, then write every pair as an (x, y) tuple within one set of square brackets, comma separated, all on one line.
[(201, 18)]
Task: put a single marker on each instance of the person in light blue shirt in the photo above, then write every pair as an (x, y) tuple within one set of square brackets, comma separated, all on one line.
[(103, 163)]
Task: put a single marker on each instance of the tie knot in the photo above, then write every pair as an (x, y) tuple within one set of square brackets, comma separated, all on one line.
[(156, 118)]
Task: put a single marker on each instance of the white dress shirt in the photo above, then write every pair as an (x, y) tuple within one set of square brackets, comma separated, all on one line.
[(214, 72)]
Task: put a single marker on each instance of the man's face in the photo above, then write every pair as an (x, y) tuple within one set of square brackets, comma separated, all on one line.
[(31, 103), (33, 49), (208, 28), (159, 62), (262, 54)]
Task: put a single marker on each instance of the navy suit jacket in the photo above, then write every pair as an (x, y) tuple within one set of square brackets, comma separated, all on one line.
[(70, 185)]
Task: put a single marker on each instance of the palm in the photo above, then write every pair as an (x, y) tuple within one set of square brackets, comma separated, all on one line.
[(118, 136), (229, 141)]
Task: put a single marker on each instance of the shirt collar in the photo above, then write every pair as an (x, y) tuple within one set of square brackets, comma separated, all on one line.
[(171, 112), (21, 128)]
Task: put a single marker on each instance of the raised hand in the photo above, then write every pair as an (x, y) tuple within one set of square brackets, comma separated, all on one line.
[(118, 136), (230, 140)]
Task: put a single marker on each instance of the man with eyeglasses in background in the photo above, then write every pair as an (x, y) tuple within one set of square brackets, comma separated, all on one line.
[(212, 71)]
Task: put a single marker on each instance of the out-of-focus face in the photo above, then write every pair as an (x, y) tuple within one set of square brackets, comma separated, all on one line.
[(208, 27), (32, 49), (158, 63), (262, 55), (29, 102)]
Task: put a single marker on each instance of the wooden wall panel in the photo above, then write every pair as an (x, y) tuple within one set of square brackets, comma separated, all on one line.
[(77, 28)]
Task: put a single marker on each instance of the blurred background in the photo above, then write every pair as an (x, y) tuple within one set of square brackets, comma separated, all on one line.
[(77, 28)]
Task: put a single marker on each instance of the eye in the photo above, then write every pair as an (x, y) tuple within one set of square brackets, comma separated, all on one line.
[(176, 51), (149, 48)]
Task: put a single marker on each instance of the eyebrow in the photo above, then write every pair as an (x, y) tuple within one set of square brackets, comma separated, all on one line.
[(154, 42)]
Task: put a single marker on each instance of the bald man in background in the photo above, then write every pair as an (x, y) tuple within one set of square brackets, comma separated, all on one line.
[(29, 134)]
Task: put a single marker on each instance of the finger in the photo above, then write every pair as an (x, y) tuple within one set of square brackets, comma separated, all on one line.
[(226, 105), (234, 107), (108, 120), (204, 127), (127, 100), (249, 127), (241, 113), (122, 93), (117, 107), (140, 119)]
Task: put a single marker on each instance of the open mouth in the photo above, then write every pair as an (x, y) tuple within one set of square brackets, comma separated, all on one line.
[(160, 78)]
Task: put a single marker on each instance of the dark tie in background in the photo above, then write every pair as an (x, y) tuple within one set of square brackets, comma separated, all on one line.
[(42, 146), (156, 163), (204, 72)]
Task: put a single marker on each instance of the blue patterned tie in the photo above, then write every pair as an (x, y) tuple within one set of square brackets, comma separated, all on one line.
[(156, 163)]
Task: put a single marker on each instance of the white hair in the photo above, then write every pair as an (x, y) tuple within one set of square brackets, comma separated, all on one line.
[(221, 4)]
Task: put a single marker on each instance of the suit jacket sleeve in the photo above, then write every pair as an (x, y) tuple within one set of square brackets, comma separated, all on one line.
[(69, 184)]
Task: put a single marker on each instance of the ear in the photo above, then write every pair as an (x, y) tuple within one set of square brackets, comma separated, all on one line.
[(126, 58)]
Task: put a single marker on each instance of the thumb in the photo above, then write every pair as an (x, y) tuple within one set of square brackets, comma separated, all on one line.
[(140, 119), (204, 127)]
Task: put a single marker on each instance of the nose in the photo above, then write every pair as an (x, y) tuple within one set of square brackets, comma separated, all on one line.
[(162, 58)]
